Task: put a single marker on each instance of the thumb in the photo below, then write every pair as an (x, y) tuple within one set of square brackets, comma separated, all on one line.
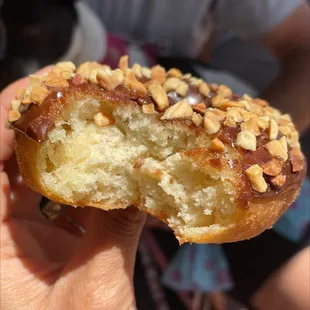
[(121, 228), (110, 237), (103, 265)]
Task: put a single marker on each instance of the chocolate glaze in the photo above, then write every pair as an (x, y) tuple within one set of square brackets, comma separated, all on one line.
[(38, 120), (260, 157), (228, 136), (34, 122)]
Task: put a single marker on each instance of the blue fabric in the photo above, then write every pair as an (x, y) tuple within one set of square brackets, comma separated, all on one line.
[(204, 267), (294, 222), (198, 267)]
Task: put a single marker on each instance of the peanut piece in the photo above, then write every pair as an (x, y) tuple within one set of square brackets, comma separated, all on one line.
[(171, 84), (123, 63), (217, 145), (15, 104), (137, 69), (160, 96), (148, 108), (204, 89), (84, 70), (197, 119), (119, 75), (35, 80), (293, 138), (251, 126), (246, 140), (182, 89), (26, 99), (273, 129), (217, 101), (221, 115), (211, 123), (195, 81), (187, 76), (230, 104), (78, 80), (67, 73), (285, 130), (39, 94), (297, 160), (279, 180), (260, 102), (132, 83), (13, 116), (158, 74), (107, 78), (247, 115), (179, 110), (255, 176), (146, 72), (235, 115), (229, 122), (273, 167), (224, 91), (199, 107), (20, 94), (276, 149), (283, 142), (66, 65), (61, 83), (175, 73), (93, 76), (262, 123), (102, 120)]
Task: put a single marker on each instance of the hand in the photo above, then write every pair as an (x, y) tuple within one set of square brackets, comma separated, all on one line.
[(45, 265)]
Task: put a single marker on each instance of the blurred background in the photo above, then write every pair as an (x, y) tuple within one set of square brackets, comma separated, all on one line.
[(36, 33)]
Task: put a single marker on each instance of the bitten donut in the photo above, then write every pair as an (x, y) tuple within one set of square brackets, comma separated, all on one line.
[(215, 166)]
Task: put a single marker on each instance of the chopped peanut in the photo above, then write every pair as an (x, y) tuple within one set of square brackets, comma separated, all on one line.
[(255, 176), (204, 89), (148, 108), (13, 116), (297, 160), (160, 96), (197, 119), (123, 63), (175, 73), (246, 140), (179, 110), (211, 123), (217, 145), (276, 149), (39, 94), (102, 120)]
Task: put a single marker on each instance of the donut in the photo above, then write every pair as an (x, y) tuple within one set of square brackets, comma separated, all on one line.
[(214, 166)]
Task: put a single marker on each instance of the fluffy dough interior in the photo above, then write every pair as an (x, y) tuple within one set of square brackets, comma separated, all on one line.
[(139, 161)]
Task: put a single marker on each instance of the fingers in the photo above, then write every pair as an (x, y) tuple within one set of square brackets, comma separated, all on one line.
[(6, 96)]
